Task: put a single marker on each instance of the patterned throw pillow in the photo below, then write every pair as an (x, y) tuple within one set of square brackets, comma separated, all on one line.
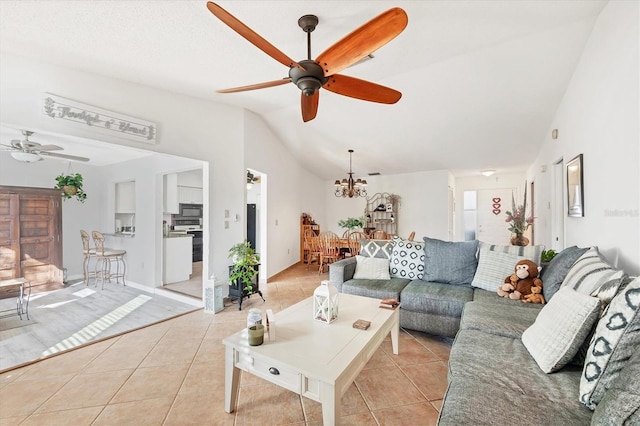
[(560, 328), (371, 268), (407, 259), (376, 248), (448, 262), (592, 275), (617, 337), (533, 253), (493, 268)]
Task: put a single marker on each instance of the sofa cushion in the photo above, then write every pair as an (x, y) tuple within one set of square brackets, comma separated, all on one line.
[(620, 405), (377, 289), (591, 274), (491, 297), (371, 268), (533, 253), (616, 338), (376, 248), (504, 320), (555, 272), (561, 328), (449, 262), (493, 268), (407, 259), (436, 298)]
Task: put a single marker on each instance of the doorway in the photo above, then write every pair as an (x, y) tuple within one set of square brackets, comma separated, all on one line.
[(484, 214), (256, 219)]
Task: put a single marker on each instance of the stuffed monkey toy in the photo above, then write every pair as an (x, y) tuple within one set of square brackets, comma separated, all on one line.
[(518, 285)]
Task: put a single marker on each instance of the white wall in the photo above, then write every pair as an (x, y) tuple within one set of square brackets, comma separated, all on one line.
[(599, 118), (423, 203), (187, 127), (290, 189)]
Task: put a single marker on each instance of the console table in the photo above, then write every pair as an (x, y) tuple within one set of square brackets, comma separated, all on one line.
[(22, 303)]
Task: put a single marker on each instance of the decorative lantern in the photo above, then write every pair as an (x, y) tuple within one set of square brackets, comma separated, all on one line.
[(325, 302)]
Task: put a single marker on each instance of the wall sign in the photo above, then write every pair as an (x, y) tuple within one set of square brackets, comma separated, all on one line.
[(103, 121)]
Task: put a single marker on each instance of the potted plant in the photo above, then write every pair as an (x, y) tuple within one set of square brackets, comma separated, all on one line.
[(244, 268), (71, 186)]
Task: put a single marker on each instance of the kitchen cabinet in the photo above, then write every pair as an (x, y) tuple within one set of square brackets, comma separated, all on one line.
[(126, 197), (177, 265), (189, 195), (171, 194)]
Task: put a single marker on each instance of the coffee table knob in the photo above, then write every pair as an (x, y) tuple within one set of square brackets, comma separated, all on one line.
[(274, 371)]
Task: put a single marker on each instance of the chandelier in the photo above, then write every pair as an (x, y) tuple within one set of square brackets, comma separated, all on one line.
[(349, 187)]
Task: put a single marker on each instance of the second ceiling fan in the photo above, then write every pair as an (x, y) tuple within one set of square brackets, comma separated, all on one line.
[(311, 75)]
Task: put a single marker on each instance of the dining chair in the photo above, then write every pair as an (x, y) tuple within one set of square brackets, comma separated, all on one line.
[(311, 248), (354, 242), (379, 234), (88, 252), (104, 258), (329, 243), (412, 236)]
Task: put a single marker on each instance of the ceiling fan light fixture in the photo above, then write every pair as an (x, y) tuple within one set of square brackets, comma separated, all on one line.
[(26, 157), (488, 172)]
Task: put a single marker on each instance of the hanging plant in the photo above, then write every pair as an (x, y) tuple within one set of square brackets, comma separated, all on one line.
[(71, 186)]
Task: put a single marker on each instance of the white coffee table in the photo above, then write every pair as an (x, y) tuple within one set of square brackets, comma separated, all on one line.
[(316, 360)]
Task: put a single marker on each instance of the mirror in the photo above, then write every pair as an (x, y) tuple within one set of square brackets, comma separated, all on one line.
[(575, 187)]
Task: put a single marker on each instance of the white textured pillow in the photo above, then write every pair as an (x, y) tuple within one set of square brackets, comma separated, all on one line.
[(371, 268), (560, 328), (493, 268)]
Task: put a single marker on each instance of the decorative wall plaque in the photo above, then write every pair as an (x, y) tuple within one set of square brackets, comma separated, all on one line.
[(100, 120)]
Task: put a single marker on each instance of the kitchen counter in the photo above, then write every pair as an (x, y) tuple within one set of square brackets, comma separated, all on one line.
[(119, 234), (172, 235)]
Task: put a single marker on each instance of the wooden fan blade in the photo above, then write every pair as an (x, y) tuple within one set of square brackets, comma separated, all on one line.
[(363, 41), (257, 86), (361, 89), (309, 106), (65, 156), (251, 35)]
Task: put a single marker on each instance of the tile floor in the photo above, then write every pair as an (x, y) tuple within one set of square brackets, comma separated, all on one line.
[(172, 373)]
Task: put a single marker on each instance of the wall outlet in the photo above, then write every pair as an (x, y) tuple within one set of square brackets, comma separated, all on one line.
[(226, 224)]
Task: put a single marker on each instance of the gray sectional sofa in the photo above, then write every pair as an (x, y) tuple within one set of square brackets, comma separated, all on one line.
[(493, 376)]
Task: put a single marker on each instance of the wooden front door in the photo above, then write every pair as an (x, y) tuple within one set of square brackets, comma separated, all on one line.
[(31, 234)]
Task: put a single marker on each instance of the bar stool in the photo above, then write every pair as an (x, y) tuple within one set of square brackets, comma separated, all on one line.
[(104, 258), (88, 253)]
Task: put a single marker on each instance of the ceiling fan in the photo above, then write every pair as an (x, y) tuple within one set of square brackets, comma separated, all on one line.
[(311, 75), (28, 151), (251, 179)]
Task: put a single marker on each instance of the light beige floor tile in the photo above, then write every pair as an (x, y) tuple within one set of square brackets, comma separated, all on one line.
[(152, 382), (441, 346), (200, 409), (386, 388), (23, 397), (268, 405), (172, 353), (210, 352), (204, 378), (430, 378), (352, 403), (86, 390), (12, 421), (407, 415), (409, 352), (380, 359), (150, 412), (79, 416), (119, 357), (437, 404)]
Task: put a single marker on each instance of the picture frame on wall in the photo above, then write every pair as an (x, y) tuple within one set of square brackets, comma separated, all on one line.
[(575, 187)]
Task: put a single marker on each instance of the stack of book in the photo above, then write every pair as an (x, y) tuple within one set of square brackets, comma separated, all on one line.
[(389, 303)]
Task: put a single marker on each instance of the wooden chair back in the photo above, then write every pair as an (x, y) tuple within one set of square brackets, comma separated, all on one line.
[(379, 234)]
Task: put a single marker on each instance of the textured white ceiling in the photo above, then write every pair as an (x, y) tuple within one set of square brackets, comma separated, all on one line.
[(481, 79)]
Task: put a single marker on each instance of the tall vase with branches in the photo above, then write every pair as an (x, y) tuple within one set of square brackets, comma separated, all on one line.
[(518, 221)]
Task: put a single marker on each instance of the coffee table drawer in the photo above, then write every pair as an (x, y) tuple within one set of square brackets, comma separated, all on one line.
[(273, 372)]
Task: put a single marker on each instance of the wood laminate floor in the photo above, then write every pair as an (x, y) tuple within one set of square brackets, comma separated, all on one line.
[(172, 373)]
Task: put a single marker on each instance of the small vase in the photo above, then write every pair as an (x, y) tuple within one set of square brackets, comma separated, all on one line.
[(519, 240)]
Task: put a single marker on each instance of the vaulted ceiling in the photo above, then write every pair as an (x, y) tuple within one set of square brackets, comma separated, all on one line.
[(480, 79)]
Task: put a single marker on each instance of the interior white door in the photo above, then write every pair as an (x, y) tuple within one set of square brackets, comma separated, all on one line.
[(491, 215)]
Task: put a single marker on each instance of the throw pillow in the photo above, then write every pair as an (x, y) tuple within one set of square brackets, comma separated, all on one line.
[(592, 275), (407, 259), (560, 328), (371, 268), (616, 338), (555, 272), (376, 248), (533, 253), (448, 262), (493, 268), (621, 403)]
